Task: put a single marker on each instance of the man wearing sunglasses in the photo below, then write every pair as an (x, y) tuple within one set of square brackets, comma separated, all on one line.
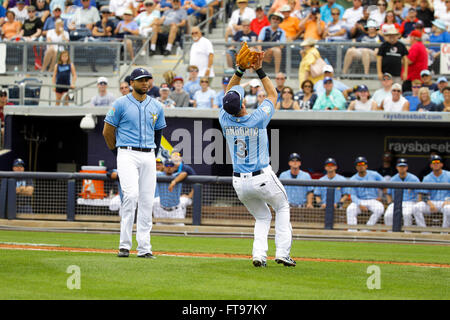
[(103, 98), (32, 27)]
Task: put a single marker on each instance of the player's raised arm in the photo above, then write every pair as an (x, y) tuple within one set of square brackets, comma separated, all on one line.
[(272, 94), (244, 60)]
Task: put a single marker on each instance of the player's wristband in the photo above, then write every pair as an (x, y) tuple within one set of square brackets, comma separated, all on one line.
[(239, 72), (261, 74)]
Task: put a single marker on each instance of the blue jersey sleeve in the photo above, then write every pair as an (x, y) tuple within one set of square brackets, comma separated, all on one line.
[(161, 121), (265, 112), (114, 114)]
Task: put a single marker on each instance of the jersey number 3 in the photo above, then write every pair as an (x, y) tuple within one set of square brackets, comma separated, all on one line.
[(241, 149)]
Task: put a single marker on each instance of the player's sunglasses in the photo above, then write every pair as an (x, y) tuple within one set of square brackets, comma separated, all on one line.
[(436, 161)]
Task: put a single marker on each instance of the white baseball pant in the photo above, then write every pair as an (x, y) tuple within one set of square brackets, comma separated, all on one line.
[(373, 205), (137, 174), (422, 208), (255, 192), (179, 211), (407, 212)]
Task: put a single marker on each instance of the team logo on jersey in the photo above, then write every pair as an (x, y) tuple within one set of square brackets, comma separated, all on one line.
[(266, 109), (155, 117), (111, 112)]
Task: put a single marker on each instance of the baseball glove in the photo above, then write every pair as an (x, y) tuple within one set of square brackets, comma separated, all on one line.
[(246, 57)]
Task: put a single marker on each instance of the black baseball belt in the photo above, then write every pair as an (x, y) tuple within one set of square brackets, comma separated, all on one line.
[(138, 149)]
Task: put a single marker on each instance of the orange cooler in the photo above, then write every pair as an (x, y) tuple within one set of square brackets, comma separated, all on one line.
[(93, 189)]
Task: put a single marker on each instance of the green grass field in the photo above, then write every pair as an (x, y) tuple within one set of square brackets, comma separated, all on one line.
[(43, 274)]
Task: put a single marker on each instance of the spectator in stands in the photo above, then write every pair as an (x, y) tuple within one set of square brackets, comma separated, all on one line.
[(11, 28), (64, 75), (68, 10), (260, 21), (340, 194), (273, 33), (164, 5), (242, 13), (417, 60), (287, 101), (50, 22), (3, 102), (425, 101), (328, 71), (170, 24), (42, 10), (335, 29), (21, 11), (310, 55), (444, 106), (307, 97), (363, 101), (58, 34), (364, 199), (218, 99), (387, 169), (438, 96), (118, 7), (434, 200), (196, 10), (251, 99), (127, 26), (178, 95), (204, 98), (427, 81), (83, 21), (32, 27), (395, 103), (438, 34), (164, 92), (261, 96), (24, 189), (352, 17), (389, 22), (312, 26), (277, 4), (246, 35), (104, 28), (425, 13), (9, 4), (280, 80), (147, 19), (407, 25), (385, 90), (103, 98), (391, 56), (290, 24), (398, 8), (367, 55), (444, 14), (124, 88), (331, 99), (193, 83), (379, 15), (202, 53), (413, 98), (327, 9), (153, 91), (298, 196)]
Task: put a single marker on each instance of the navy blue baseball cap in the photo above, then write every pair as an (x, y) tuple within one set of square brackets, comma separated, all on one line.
[(435, 159), (330, 161), (169, 163), (225, 80), (360, 161), (18, 163), (402, 162), (362, 87), (326, 79), (232, 101), (295, 156), (140, 73), (315, 10)]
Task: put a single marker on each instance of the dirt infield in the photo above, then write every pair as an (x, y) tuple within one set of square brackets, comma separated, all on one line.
[(209, 255)]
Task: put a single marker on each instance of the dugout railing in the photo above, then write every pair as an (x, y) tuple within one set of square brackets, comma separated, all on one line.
[(62, 196)]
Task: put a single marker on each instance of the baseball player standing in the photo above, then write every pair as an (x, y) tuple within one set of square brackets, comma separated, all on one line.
[(255, 183), (133, 129), (340, 194), (364, 199)]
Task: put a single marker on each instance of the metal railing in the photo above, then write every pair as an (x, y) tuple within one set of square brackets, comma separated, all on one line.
[(214, 201)]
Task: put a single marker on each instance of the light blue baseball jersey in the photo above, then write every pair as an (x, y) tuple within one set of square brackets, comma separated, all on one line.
[(166, 198), (297, 194), (359, 194), (338, 192), (437, 195), (247, 137), (136, 121), (408, 194)]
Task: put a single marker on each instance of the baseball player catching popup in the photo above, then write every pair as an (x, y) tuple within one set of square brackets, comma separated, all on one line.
[(255, 183), (133, 131)]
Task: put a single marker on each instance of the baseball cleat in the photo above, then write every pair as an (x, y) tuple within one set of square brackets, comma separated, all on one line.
[(123, 253), (147, 255), (287, 261), (259, 262)]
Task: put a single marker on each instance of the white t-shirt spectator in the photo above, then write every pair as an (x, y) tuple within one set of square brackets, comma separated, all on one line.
[(335, 28), (144, 20), (249, 14), (103, 101), (53, 37), (21, 16), (199, 56), (119, 6), (380, 95), (378, 17), (391, 106), (85, 16), (205, 99), (352, 16)]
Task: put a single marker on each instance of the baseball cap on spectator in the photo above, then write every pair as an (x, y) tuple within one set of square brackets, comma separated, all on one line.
[(439, 24), (128, 12), (164, 87), (149, 2), (232, 101), (412, 9), (396, 86), (276, 14), (402, 162), (3, 93), (31, 8), (105, 9), (254, 83), (425, 72), (371, 24), (315, 10), (239, 1), (327, 79), (387, 74), (285, 8), (435, 159), (362, 87), (328, 68), (102, 80), (330, 161), (415, 34), (178, 79), (295, 156), (225, 80), (56, 7), (360, 161), (442, 79), (18, 163), (140, 73), (419, 24), (259, 8), (169, 163)]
